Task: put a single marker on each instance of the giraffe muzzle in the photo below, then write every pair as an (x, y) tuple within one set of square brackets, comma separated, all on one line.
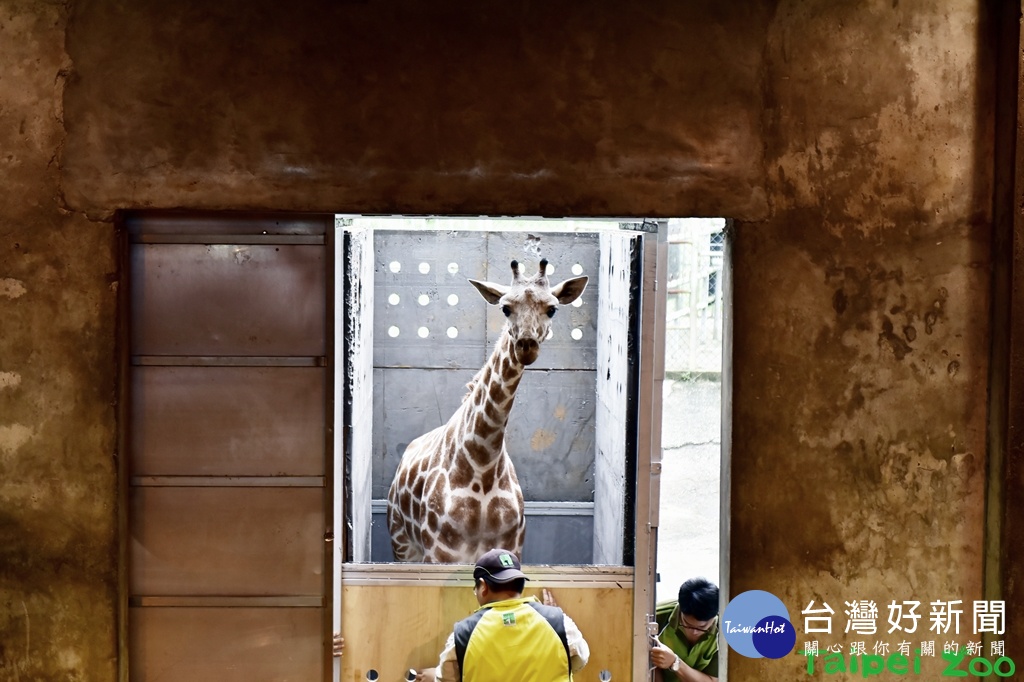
[(527, 351)]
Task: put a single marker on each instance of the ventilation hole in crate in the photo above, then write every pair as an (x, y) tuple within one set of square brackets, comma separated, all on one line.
[(393, 331), (453, 268), (395, 266), (424, 268), (452, 332), (577, 303), (577, 269), (453, 299), (423, 332), (576, 334), (551, 332), (423, 299), (549, 270), (394, 299)]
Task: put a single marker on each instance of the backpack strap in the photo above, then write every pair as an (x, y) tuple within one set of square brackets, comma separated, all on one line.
[(463, 630), (555, 618)]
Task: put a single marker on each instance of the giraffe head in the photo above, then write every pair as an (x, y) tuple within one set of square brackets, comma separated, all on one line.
[(529, 304)]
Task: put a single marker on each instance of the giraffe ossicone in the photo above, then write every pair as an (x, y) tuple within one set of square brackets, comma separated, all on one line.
[(455, 494)]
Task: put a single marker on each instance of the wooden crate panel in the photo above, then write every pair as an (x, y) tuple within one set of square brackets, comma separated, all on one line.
[(428, 613), (188, 644), (550, 434), (228, 299), (226, 541), (228, 421), (558, 539), (432, 267)]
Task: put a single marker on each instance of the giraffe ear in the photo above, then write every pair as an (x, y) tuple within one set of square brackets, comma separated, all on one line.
[(491, 292), (569, 290)]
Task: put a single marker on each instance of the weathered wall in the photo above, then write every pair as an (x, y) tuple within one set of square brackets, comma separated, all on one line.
[(57, 354), (850, 140), (502, 108), (861, 318)]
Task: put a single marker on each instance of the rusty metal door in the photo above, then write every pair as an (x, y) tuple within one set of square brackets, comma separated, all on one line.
[(225, 472)]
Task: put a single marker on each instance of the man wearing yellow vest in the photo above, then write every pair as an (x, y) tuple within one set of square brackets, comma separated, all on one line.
[(687, 648), (511, 637)]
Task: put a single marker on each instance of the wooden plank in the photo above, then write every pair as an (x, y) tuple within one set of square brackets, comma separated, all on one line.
[(228, 421), (425, 614), (226, 644), (228, 300), (226, 541)]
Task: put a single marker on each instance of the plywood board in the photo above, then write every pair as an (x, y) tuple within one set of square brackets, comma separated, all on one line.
[(391, 628)]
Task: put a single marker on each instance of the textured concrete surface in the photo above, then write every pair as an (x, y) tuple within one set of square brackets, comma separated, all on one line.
[(851, 141)]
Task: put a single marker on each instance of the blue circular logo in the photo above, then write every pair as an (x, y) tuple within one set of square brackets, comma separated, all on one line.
[(756, 625)]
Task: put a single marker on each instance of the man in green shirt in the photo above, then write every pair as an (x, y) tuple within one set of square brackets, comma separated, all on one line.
[(687, 647)]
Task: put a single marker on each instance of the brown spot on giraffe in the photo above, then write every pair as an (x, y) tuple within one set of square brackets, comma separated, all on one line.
[(465, 459), (487, 479), (461, 475)]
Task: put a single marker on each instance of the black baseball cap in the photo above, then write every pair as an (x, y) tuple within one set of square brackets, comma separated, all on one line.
[(499, 566)]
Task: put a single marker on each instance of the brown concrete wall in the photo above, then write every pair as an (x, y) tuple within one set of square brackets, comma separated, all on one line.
[(57, 353), (849, 140), (861, 317)]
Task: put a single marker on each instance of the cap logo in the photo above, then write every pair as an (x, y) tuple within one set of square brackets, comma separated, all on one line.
[(506, 561)]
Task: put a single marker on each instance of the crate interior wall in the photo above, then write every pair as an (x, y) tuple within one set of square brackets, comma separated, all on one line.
[(431, 332)]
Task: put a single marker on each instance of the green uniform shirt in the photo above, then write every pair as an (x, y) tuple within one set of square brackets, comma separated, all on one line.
[(701, 656)]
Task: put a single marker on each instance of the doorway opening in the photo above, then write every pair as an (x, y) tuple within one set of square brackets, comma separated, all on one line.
[(689, 536)]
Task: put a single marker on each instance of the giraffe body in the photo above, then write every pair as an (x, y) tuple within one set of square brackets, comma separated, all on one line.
[(455, 494)]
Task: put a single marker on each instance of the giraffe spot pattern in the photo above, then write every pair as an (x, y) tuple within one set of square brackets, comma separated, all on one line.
[(456, 492)]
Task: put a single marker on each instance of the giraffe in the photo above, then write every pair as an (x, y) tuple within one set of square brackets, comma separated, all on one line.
[(455, 494)]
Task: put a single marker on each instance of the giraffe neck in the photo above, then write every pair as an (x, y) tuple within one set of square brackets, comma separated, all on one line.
[(480, 431)]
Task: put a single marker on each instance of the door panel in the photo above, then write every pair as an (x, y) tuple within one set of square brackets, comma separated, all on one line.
[(226, 541), (228, 299), (228, 421), (226, 644), (227, 531)]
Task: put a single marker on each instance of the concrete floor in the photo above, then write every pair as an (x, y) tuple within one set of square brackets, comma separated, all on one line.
[(688, 536)]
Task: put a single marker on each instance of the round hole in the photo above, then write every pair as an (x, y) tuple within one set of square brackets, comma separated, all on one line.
[(393, 331), (423, 299), (395, 266), (394, 299), (576, 334), (605, 676), (423, 332), (452, 332), (577, 269), (577, 303), (549, 270), (372, 675), (453, 268), (453, 299), (551, 332), (424, 268)]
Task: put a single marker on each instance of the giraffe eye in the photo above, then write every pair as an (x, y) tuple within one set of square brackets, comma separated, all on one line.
[(506, 310), (551, 311)]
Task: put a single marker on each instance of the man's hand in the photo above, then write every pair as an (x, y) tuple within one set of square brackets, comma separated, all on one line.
[(547, 598), (661, 656), (426, 675), (339, 644)]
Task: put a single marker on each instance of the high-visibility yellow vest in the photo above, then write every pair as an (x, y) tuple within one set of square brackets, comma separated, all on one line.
[(518, 640)]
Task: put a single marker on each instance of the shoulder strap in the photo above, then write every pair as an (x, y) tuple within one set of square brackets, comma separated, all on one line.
[(463, 630), (553, 615)]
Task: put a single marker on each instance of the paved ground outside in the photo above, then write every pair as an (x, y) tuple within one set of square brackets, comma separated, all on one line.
[(688, 536)]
